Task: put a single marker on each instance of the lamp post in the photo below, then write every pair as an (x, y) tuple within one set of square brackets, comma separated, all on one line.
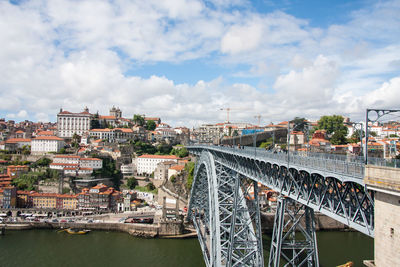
[(379, 113)]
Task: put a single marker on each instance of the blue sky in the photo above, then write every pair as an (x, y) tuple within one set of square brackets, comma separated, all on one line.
[(184, 60)]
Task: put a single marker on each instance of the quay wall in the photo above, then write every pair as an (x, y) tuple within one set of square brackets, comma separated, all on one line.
[(140, 230)]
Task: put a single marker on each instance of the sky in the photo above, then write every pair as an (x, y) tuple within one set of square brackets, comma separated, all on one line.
[(185, 60)]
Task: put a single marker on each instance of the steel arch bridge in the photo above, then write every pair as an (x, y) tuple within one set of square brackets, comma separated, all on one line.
[(224, 205)]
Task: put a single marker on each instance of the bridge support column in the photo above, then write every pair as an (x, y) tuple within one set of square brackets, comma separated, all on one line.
[(296, 249)]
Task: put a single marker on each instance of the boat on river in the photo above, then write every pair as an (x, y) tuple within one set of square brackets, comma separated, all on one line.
[(74, 231)]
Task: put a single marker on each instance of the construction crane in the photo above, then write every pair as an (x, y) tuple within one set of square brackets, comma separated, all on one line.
[(259, 118), (227, 113), (228, 110)]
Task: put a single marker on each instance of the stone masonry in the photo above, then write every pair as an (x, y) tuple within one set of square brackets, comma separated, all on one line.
[(386, 184)]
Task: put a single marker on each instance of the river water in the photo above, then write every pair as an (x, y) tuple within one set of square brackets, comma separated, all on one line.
[(50, 248)]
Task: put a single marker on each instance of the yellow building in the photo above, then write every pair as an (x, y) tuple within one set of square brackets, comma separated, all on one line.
[(44, 200), (69, 202)]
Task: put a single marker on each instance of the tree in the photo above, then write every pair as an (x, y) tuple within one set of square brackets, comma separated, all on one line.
[(150, 187), (132, 183), (355, 137), (138, 119), (334, 126), (299, 124), (189, 169), (338, 138), (95, 124), (150, 125), (180, 152)]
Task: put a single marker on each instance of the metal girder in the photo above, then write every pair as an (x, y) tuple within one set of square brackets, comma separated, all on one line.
[(225, 215), (345, 201), (291, 240)]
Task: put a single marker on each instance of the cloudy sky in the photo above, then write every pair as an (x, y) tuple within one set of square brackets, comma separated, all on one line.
[(184, 60)]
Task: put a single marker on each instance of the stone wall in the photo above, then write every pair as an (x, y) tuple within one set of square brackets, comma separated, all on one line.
[(162, 192), (170, 228), (385, 182)]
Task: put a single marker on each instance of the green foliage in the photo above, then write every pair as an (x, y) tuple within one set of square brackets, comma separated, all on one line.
[(373, 134), (26, 150), (150, 125), (338, 138), (164, 149), (65, 190), (109, 171), (235, 133), (173, 179), (393, 135), (332, 124), (150, 187), (144, 148), (355, 137), (132, 183), (266, 144), (180, 152), (189, 168), (145, 189), (62, 151), (299, 124), (139, 120), (6, 157), (95, 124), (43, 162), (28, 181)]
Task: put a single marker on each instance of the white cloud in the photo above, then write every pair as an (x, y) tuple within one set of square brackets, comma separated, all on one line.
[(71, 54)]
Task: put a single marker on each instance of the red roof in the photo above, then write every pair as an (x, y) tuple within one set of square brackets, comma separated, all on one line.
[(101, 130), (67, 156), (178, 167), (17, 140), (63, 164), (107, 117), (45, 133), (55, 138), (90, 159), (159, 156)]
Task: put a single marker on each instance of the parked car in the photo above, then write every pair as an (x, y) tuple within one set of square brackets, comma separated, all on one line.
[(54, 220)]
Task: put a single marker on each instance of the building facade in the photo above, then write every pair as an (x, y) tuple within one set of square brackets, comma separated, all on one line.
[(46, 144), (146, 164), (69, 123)]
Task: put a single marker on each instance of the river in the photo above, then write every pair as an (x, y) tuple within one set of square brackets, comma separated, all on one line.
[(50, 248)]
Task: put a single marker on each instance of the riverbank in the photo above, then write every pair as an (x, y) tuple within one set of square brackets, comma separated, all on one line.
[(163, 230)]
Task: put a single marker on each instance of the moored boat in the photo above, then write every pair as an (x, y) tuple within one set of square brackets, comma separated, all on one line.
[(77, 231)]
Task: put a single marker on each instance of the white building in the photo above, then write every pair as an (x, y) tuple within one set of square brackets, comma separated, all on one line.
[(69, 123), (46, 144), (75, 165), (127, 169), (93, 163), (146, 164)]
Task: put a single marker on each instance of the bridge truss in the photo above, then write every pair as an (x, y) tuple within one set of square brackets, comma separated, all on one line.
[(224, 203)]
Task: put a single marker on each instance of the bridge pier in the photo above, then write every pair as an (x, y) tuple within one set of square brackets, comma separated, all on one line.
[(285, 243)]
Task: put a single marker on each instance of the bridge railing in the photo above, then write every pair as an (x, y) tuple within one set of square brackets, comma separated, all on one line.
[(349, 166)]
